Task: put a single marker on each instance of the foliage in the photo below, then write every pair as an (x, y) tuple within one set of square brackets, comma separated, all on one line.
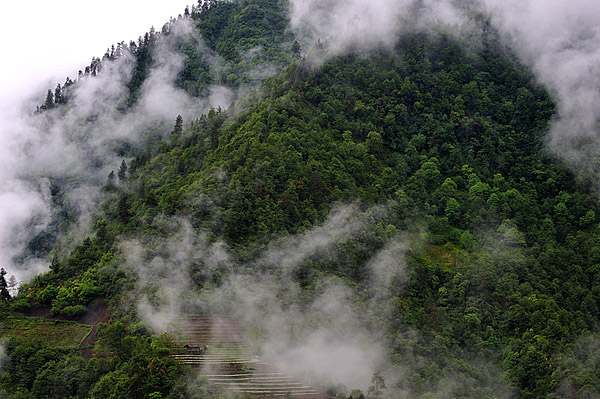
[(377, 129), (58, 333), (39, 370), (450, 143)]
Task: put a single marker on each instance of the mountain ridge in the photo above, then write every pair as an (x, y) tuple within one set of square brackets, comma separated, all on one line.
[(391, 213)]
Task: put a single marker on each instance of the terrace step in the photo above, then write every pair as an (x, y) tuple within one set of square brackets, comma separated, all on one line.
[(229, 362)]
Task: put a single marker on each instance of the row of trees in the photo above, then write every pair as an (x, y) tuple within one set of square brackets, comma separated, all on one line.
[(230, 30)]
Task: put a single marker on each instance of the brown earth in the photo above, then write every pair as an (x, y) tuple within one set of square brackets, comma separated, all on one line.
[(95, 313)]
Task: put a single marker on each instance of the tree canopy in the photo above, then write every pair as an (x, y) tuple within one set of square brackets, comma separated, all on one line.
[(444, 145)]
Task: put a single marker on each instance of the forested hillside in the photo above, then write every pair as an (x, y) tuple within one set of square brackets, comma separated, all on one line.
[(413, 182)]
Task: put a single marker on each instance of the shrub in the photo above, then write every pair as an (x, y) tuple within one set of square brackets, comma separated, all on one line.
[(47, 295), (74, 311)]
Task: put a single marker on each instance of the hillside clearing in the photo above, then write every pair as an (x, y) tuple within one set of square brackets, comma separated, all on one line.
[(60, 333)]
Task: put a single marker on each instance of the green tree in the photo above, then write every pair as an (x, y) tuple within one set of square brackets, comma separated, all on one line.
[(58, 95), (13, 285), (376, 390), (356, 394), (110, 180), (122, 172), (49, 103), (178, 128), (296, 50), (4, 294), (452, 211)]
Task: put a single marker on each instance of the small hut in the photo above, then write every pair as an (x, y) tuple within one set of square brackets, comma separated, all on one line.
[(192, 349)]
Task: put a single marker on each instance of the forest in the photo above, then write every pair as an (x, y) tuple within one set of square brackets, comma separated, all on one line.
[(408, 186)]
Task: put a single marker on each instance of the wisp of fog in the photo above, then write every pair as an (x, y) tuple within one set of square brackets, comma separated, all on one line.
[(78, 145), (328, 333)]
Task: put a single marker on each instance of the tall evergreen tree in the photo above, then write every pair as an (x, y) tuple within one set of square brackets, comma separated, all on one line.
[(4, 294), (49, 103), (58, 95), (122, 173), (296, 49), (178, 128), (13, 285), (110, 181)]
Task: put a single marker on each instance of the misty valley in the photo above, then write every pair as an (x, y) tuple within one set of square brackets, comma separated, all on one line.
[(311, 199)]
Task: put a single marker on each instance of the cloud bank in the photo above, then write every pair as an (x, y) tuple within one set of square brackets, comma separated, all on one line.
[(324, 337), (342, 25), (559, 40), (333, 335), (74, 147)]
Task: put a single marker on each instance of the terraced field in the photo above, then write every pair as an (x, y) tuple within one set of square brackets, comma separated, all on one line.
[(217, 347), (59, 333)]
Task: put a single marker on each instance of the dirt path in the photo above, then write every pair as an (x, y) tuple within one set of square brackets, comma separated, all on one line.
[(96, 313)]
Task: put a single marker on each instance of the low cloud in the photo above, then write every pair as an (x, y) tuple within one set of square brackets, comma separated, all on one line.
[(288, 253), (388, 266), (559, 40), (324, 337), (166, 268), (332, 335), (25, 212), (342, 25), (75, 146), (326, 341)]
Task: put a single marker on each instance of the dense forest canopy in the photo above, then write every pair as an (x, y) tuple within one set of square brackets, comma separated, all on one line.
[(398, 204)]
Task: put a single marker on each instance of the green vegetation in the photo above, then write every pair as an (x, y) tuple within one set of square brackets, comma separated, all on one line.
[(505, 239), (57, 333), (130, 365)]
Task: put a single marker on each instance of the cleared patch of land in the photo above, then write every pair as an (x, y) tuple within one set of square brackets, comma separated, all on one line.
[(59, 333), (216, 346)]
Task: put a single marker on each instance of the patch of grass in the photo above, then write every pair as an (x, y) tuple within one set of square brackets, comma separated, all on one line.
[(448, 258), (58, 333)]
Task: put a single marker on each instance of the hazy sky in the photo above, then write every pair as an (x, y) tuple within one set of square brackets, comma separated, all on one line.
[(43, 41)]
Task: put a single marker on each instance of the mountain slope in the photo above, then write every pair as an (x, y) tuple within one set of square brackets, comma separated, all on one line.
[(440, 153)]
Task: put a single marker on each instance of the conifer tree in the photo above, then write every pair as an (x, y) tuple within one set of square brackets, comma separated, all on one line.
[(4, 294), (122, 173), (376, 390), (49, 100), (55, 265), (58, 95), (178, 128), (110, 181), (296, 49), (12, 285)]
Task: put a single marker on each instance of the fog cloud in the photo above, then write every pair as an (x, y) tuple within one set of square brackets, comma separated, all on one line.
[(325, 337), (559, 40), (341, 25), (24, 212), (326, 341), (291, 251), (77, 145), (330, 335), (166, 268)]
